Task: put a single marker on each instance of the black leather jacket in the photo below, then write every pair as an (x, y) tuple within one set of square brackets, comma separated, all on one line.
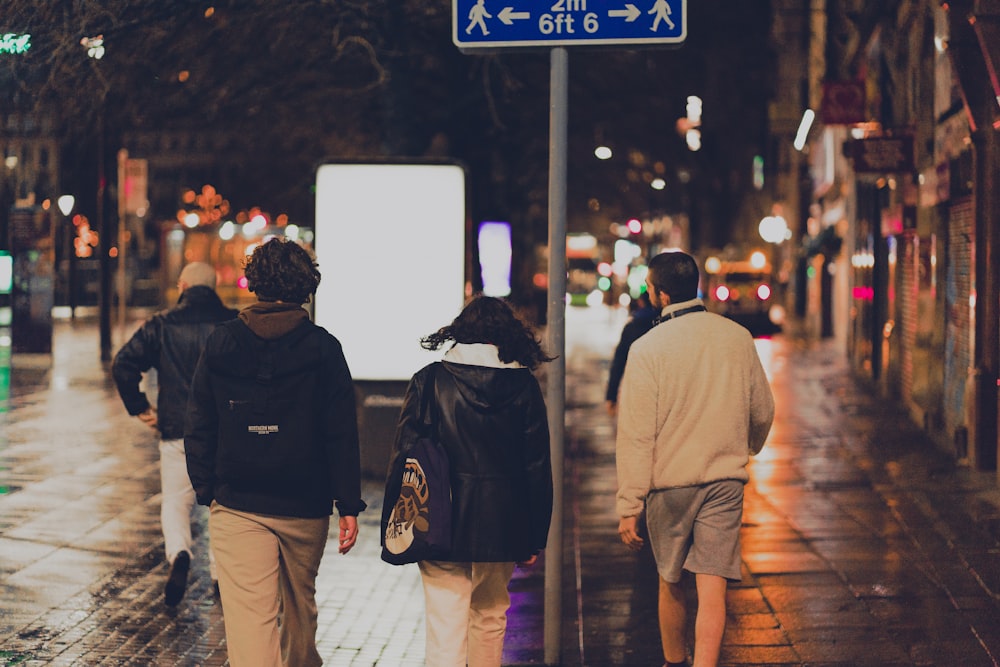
[(493, 424), (170, 342)]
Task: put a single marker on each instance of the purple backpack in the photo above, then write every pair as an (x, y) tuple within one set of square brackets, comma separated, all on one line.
[(416, 509)]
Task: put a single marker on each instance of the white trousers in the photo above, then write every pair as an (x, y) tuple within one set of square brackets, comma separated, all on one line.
[(466, 612), (177, 503)]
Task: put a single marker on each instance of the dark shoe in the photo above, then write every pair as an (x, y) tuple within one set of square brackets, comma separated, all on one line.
[(177, 581)]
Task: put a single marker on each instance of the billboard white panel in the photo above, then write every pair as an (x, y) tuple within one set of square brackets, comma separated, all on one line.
[(390, 243)]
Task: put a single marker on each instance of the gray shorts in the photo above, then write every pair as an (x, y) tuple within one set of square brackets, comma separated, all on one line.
[(696, 528)]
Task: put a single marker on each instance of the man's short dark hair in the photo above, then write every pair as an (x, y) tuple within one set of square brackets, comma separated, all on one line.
[(281, 270), (675, 273)]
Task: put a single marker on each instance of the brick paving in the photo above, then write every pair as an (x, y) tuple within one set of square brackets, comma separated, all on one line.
[(862, 544)]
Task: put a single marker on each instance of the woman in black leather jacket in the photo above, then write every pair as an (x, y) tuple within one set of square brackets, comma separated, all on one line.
[(492, 422)]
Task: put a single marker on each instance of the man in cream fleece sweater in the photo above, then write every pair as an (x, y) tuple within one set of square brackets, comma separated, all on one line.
[(695, 404)]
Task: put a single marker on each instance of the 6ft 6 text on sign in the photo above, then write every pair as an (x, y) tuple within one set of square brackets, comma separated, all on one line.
[(507, 23)]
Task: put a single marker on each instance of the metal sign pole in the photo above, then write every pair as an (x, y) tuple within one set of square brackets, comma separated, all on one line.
[(565, 23), (556, 333), (122, 240)]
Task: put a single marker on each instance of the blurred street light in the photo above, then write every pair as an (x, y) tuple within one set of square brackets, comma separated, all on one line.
[(206, 208), (65, 203), (14, 43), (803, 132), (774, 229), (690, 124), (94, 46)]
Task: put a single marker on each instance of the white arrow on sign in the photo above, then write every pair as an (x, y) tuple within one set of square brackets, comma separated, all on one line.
[(630, 13), (508, 15)]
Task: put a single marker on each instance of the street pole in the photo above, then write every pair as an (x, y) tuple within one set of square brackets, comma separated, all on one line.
[(72, 271), (556, 333), (122, 240), (104, 245)]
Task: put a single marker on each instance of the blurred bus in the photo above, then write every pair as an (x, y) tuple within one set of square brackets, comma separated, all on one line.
[(582, 256), (225, 246), (743, 290)]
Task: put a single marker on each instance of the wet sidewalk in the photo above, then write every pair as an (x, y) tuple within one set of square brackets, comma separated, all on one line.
[(862, 545)]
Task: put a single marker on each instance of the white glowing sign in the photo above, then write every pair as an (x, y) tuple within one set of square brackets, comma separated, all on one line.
[(6, 273), (494, 257), (390, 242), (14, 43)]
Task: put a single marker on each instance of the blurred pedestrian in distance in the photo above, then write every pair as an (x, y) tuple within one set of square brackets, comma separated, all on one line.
[(171, 342), (491, 420), (695, 404), (640, 321), (272, 446)]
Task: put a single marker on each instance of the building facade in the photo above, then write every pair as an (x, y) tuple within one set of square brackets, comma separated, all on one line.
[(896, 191)]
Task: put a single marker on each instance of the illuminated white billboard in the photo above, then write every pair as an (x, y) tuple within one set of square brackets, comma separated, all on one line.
[(390, 243), (494, 257)]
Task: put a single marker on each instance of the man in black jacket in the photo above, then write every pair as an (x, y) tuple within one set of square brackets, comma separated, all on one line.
[(171, 342)]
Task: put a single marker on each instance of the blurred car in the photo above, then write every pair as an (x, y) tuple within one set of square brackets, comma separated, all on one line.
[(742, 291)]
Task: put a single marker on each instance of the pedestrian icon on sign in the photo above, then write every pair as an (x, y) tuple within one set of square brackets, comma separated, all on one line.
[(476, 16), (662, 11)]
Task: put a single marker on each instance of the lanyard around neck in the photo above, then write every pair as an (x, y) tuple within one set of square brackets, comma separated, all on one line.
[(678, 313)]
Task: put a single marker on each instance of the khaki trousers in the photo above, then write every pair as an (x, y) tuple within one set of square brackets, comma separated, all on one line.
[(466, 612), (267, 579)]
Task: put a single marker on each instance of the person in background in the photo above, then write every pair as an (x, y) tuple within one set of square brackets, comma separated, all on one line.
[(492, 423), (272, 446), (641, 320), (171, 342), (695, 405)]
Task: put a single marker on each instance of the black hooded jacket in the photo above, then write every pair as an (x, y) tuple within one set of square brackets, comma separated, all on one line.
[(318, 465), (492, 422), (171, 342)]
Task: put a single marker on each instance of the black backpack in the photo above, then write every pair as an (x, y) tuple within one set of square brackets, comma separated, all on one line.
[(267, 395)]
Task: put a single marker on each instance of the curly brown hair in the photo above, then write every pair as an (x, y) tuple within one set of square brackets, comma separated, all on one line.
[(280, 270), (487, 319)]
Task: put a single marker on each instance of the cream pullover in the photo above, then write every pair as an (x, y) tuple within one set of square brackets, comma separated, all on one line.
[(695, 404)]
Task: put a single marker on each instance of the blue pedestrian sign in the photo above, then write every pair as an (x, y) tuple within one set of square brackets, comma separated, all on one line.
[(488, 24)]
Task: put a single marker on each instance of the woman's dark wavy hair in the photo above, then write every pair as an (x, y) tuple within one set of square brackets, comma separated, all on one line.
[(487, 319), (281, 270)]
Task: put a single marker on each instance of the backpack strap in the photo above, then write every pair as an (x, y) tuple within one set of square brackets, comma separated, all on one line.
[(428, 402)]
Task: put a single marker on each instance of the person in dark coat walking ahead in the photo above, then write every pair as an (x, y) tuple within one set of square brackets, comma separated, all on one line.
[(639, 322), (171, 342), (491, 420)]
